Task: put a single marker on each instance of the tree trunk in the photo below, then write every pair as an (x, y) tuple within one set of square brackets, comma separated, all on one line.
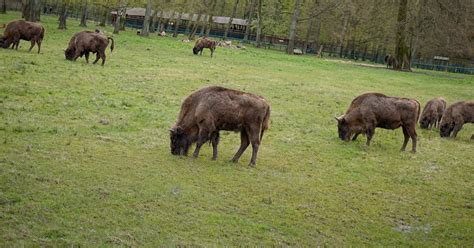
[(84, 15), (63, 16), (195, 27), (176, 25), (249, 19), (345, 22), (222, 10), (294, 22), (123, 20), (160, 20), (154, 21), (203, 26), (146, 23), (401, 50), (259, 23), (211, 18), (117, 21), (105, 15), (234, 11), (312, 20), (31, 10), (3, 7)]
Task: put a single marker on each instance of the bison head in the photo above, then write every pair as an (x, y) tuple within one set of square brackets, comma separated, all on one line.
[(196, 50), (424, 122), (69, 53), (180, 141), (446, 129), (343, 128)]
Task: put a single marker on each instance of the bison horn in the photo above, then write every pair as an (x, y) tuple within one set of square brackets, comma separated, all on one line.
[(339, 119)]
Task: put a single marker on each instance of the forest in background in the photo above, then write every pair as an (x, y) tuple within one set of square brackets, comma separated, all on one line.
[(408, 29)]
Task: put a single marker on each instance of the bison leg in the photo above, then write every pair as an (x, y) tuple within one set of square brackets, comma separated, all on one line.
[(369, 133), (87, 57), (456, 129), (255, 140), (212, 51), (202, 138), (413, 136), (406, 138), (97, 57), (244, 143), (215, 142), (39, 45), (32, 45), (102, 55)]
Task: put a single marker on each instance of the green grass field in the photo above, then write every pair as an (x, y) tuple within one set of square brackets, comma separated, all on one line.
[(68, 179)]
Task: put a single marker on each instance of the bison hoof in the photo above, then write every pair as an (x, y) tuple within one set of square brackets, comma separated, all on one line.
[(252, 165)]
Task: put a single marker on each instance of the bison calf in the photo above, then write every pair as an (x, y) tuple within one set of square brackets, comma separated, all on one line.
[(455, 116), (204, 43), (207, 111), (372, 110), (432, 113), (85, 42), (22, 30)]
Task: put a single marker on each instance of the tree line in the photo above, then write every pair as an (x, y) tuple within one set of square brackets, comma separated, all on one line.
[(407, 29)]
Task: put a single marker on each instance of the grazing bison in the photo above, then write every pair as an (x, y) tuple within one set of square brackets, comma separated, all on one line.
[(22, 30), (372, 110), (455, 116), (391, 61), (204, 43), (85, 42), (207, 111), (432, 113)]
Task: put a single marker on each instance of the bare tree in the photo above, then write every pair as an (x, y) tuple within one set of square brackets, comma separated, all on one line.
[(3, 6), (313, 19), (31, 10), (211, 17), (401, 50), (259, 23), (146, 23), (294, 22), (234, 11), (249, 19), (84, 14), (63, 16)]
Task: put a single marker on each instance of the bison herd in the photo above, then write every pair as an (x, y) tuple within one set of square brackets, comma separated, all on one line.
[(81, 44), (207, 111)]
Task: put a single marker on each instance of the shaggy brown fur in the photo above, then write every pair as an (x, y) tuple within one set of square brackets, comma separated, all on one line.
[(455, 116), (85, 42), (207, 111), (372, 110), (391, 61), (204, 43), (22, 30), (432, 113)]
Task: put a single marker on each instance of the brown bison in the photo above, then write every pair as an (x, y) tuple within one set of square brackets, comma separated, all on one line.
[(204, 43), (432, 113), (455, 116), (22, 30), (207, 111), (391, 61), (85, 42), (372, 110)]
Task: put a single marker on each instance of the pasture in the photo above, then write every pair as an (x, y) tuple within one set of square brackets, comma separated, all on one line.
[(85, 158)]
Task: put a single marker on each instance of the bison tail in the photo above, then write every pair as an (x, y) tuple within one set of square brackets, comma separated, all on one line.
[(265, 123), (418, 110), (113, 45)]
